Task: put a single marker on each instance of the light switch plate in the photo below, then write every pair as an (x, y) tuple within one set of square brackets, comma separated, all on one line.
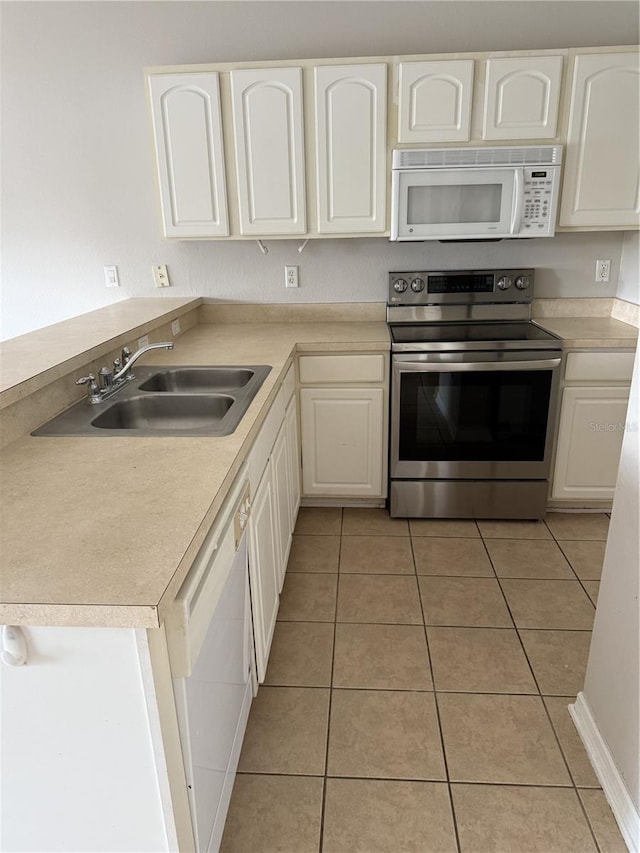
[(111, 276)]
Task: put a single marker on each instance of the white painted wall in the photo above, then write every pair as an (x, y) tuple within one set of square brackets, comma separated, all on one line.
[(78, 183), (612, 683), (629, 276)]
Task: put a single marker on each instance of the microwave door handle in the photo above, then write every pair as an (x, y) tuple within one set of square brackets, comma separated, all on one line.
[(518, 201), (461, 366)]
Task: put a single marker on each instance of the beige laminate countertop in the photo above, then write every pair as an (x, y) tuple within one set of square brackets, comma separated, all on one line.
[(102, 531), (590, 332)]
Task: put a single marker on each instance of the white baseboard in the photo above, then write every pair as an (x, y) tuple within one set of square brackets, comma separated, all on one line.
[(613, 786)]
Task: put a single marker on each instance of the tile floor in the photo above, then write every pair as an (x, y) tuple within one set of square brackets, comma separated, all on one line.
[(417, 690)]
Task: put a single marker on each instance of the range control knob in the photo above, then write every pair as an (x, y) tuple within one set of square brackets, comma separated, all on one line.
[(417, 285), (400, 285), (504, 283), (522, 282)]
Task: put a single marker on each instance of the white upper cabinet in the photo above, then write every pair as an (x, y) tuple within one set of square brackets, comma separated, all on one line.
[(602, 166), (351, 153), (269, 144), (189, 151), (435, 101), (522, 95)]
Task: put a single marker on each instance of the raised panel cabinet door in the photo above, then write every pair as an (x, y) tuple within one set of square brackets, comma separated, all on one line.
[(602, 167), (280, 468), (269, 146), (293, 445), (435, 101), (592, 424), (342, 441), (189, 154), (351, 149), (263, 569), (522, 95)]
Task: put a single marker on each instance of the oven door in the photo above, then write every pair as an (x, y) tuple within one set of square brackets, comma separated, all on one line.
[(469, 415)]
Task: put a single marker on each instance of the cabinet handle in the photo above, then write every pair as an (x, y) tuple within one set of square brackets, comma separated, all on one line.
[(14, 646)]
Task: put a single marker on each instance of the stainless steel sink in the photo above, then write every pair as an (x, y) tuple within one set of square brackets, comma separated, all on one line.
[(181, 400), (199, 379), (172, 412)]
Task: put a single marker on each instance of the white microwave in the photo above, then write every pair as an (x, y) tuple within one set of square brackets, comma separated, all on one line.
[(474, 193)]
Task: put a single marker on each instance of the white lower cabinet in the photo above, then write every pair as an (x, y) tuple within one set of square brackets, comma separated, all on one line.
[(280, 472), (592, 424), (342, 441), (293, 447)]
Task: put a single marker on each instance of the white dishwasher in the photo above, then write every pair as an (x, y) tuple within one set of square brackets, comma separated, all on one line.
[(210, 641)]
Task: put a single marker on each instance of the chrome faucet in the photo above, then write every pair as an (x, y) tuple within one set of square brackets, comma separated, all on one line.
[(112, 380)]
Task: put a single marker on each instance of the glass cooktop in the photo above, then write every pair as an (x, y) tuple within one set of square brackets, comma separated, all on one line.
[(472, 335)]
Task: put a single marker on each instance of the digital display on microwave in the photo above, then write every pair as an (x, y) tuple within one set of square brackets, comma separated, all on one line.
[(538, 174)]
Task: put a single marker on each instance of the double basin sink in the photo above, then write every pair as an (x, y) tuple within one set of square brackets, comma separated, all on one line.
[(189, 401)]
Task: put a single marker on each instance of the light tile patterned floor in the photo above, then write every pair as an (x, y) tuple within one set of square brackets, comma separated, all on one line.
[(417, 691)]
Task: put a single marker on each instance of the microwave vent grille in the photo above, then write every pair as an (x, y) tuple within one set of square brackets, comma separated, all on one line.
[(447, 158)]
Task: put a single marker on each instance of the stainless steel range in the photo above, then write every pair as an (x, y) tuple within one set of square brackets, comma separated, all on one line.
[(473, 395)]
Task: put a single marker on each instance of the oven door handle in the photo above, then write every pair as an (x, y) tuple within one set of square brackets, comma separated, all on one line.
[(463, 366)]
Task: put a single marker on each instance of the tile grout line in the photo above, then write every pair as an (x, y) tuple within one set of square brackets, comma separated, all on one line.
[(435, 699), (323, 803)]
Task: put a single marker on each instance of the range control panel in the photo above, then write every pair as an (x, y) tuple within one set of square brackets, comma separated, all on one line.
[(452, 287)]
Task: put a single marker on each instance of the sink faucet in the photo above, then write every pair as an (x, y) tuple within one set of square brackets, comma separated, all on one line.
[(111, 382)]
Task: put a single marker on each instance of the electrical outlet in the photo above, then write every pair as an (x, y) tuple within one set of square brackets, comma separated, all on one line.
[(111, 276), (603, 271), (175, 328), (143, 341), (161, 276), (291, 276)]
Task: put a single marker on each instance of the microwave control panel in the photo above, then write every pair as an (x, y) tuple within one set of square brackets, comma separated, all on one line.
[(538, 199)]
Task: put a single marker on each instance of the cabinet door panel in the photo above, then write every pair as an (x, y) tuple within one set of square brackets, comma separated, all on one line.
[(602, 170), (293, 444), (281, 479), (263, 571), (521, 97), (351, 147), (342, 438), (190, 156), (435, 101), (589, 442), (267, 120)]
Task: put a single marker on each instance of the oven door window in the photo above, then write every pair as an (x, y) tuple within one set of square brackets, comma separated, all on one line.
[(477, 416)]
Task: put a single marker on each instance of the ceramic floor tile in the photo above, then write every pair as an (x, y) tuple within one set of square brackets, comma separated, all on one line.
[(592, 588), (301, 655), (585, 557), (500, 739), (514, 530), (578, 525), (362, 521), (379, 598), (287, 731), (308, 598), (602, 822), (464, 602), (314, 553), (549, 604), (382, 657), (558, 658), (570, 743), (376, 554), (273, 814), (479, 660), (503, 819), (528, 558), (443, 527), (321, 520), (373, 816), (385, 734), (451, 556)]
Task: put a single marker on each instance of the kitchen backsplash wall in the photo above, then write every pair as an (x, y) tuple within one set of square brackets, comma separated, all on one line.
[(79, 188), (629, 276)]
